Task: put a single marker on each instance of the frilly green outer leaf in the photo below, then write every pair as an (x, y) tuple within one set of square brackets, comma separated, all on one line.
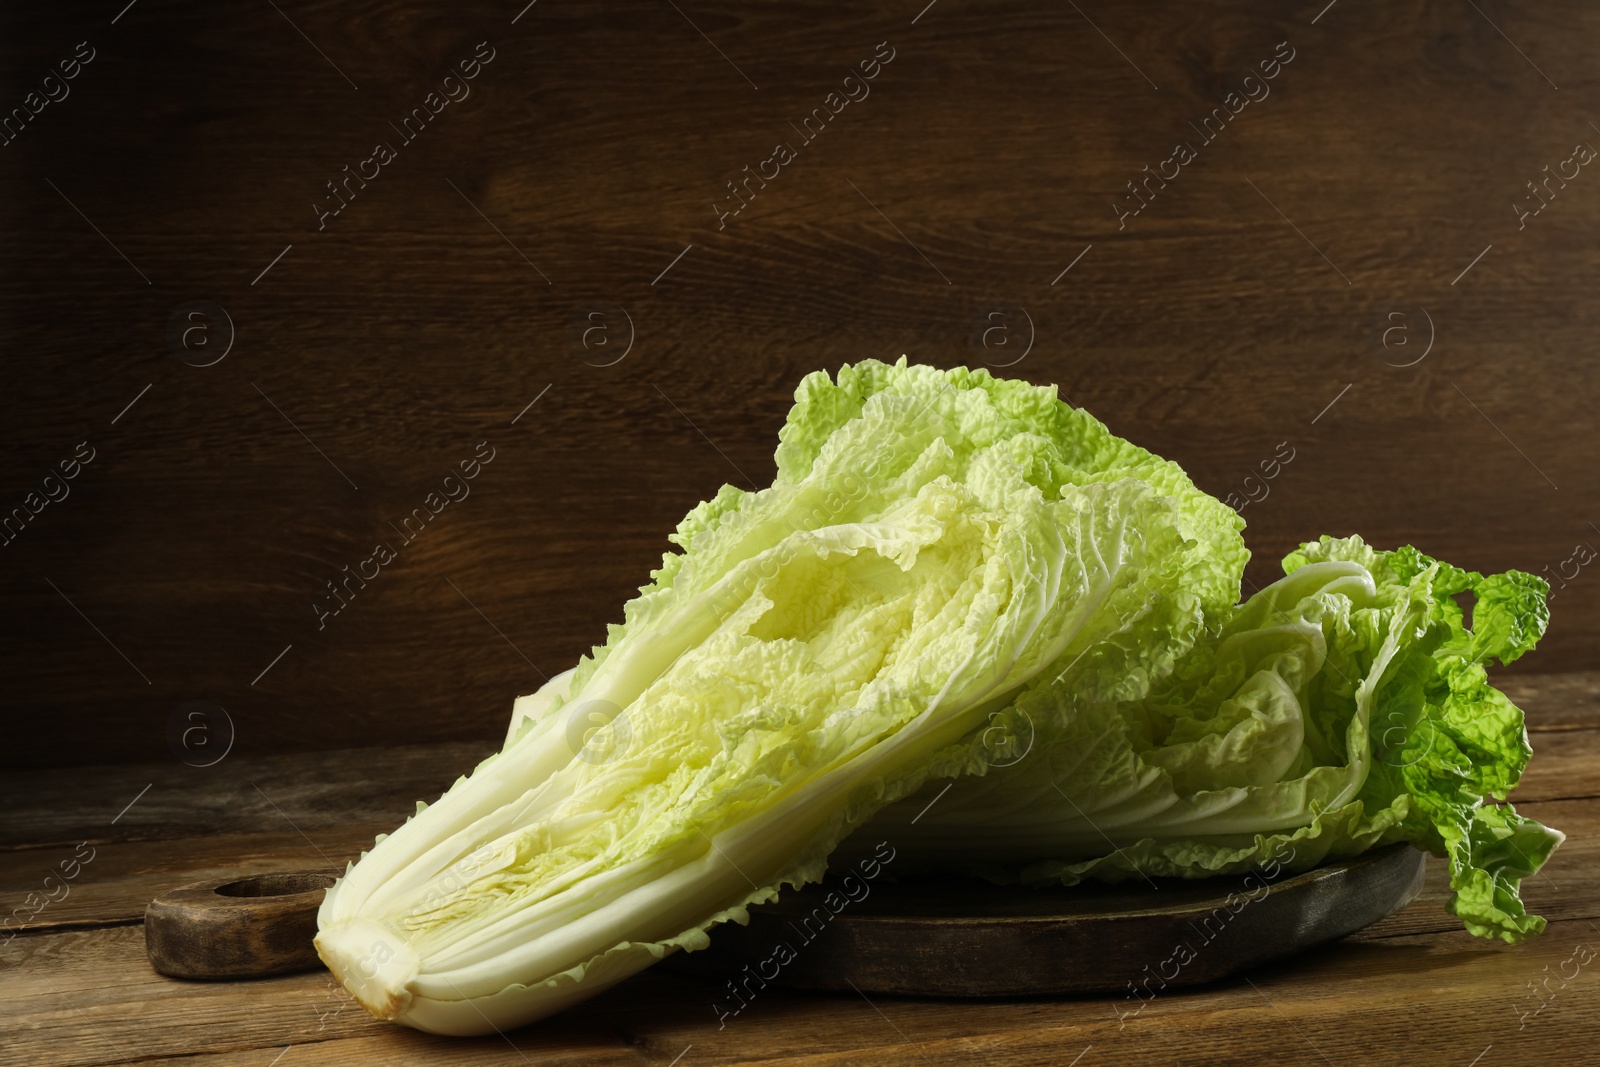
[(1343, 707)]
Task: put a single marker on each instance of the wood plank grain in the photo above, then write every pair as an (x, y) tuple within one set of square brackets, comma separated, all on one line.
[(120, 878), (1561, 769), (1556, 701), (98, 1003), (597, 141), (88, 997), (334, 789)]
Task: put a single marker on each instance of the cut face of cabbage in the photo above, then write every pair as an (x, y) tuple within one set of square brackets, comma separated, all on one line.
[(933, 542)]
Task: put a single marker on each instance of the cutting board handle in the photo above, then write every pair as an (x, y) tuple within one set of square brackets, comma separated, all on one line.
[(237, 927)]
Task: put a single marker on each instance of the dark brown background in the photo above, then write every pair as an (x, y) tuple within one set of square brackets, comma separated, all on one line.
[(1209, 330)]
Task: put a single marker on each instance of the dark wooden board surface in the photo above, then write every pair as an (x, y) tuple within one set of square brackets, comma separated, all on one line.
[(958, 937), (372, 357), (1414, 989)]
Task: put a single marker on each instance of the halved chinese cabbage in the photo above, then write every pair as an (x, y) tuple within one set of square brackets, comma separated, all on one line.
[(933, 541)]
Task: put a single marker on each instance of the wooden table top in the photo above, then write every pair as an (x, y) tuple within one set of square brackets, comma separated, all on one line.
[(75, 988)]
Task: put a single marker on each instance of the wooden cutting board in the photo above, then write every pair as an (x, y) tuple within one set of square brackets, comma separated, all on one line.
[(951, 937), (955, 937)]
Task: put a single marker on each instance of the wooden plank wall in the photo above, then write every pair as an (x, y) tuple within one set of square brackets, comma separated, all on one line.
[(1370, 197)]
